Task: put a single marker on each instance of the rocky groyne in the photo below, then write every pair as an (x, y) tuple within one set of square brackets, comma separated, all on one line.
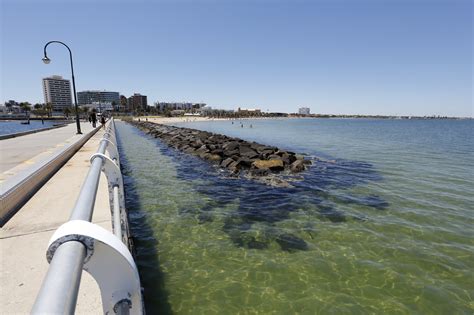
[(236, 155)]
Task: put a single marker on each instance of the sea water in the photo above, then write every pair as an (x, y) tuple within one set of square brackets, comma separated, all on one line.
[(15, 126), (381, 223)]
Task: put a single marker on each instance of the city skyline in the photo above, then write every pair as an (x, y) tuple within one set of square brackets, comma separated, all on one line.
[(362, 57)]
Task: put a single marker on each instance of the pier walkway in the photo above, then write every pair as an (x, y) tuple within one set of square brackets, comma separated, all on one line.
[(24, 238), (20, 150)]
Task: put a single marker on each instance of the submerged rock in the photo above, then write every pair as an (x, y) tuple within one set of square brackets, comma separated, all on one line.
[(291, 243)]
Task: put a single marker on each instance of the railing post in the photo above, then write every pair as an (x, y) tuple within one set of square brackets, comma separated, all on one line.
[(116, 214)]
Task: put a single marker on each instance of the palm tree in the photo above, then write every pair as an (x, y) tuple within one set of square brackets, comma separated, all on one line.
[(67, 111), (25, 106), (49, 109)]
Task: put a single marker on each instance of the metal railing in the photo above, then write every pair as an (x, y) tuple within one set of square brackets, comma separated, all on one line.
[(79, 244)]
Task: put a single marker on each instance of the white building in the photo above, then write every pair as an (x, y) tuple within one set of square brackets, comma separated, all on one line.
[(57, 91), (249, 110), (90, 97), (303, 111), (100, 107)]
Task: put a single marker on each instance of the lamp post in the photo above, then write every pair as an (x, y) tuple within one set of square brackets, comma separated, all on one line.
[(46, 60)]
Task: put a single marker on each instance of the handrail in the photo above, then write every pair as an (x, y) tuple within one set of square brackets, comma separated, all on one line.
[(58, 293)]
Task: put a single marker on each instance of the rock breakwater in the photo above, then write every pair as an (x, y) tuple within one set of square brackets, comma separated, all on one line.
[(233, 154)]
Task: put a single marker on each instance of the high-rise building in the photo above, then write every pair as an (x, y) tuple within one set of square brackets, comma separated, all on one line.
[(303, 111), (137, 101), (57, 91), (89, 97), (123, 103)]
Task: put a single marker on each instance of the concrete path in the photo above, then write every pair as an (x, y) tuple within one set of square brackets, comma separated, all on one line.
[(19, 150), (24, 239)]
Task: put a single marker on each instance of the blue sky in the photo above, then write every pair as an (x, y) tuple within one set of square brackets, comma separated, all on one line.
[(353, 57)]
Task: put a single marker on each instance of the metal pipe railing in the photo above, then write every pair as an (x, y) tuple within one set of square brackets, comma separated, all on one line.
[(60, 288), (58, 293), (84, 206)]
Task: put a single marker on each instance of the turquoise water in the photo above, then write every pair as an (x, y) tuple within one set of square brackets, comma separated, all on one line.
[(15, 126), (382, 223)]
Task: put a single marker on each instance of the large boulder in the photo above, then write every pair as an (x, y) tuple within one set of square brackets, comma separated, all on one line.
[(189, 150), (245, 161), (201, 150), (246, 151), (234, 166), (226, 162), (215, 158), (266, 153), (230, 146), (218, 151), (229, 153), (259, 172), (297, 166), (273, 164)]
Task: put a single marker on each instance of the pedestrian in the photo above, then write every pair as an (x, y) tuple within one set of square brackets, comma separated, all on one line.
[(94, 119), (90, 119), (102, 121)]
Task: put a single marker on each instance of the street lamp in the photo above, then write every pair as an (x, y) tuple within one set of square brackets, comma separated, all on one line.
[(46, 60)]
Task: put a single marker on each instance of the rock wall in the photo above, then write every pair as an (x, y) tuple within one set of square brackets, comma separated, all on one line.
[(234, 154)]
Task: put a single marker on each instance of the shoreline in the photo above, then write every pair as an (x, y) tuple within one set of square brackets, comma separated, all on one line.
[(173, 120), (181, 119)]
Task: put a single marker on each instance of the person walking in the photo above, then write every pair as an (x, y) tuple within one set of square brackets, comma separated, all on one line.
[(94, 119), (102, 121)]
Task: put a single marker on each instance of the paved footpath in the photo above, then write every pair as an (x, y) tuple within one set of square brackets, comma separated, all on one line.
[(19, 150), (24, 239)]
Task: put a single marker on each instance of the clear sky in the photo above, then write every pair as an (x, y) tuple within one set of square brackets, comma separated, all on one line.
[(342, 57)]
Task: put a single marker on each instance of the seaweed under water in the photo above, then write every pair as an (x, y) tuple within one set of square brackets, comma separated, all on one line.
[(258, 202)]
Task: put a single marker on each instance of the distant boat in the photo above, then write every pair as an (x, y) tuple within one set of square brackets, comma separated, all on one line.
[(26, 122)]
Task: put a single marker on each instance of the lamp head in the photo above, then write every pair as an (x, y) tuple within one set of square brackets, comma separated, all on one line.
[(46, 60)]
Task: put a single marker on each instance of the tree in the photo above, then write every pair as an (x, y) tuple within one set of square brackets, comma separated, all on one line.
[(167, 112), (39, 112), (49, 109), (114, 103), (66, 111), (85, 110), (25, 106)]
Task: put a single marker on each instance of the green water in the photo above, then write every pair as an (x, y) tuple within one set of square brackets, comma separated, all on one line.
[(404, 244)]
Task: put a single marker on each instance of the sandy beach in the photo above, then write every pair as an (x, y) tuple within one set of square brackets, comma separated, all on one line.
[(174, 120), (181, 119)]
